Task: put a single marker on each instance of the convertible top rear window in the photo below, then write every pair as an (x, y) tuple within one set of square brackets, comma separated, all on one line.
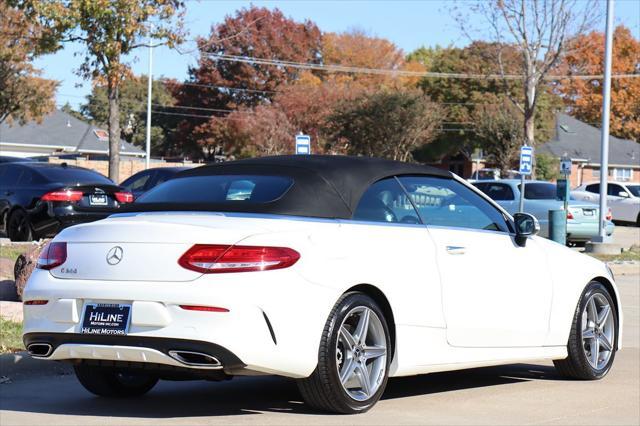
[(219, 189)]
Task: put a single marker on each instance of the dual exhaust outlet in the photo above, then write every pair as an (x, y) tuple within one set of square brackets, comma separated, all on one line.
[(189, 358)]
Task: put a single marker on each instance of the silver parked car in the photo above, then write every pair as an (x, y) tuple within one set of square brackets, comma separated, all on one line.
[(539, 198)]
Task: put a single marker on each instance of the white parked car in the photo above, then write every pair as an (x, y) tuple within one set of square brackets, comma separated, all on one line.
[(622, 197), (339, 272)]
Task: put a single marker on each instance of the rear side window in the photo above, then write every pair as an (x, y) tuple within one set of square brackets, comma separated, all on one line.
[(540, 191), (496, 191), (218, 189), (594, 187), (70, 175)]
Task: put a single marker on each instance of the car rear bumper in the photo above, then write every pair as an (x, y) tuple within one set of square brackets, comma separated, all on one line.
[(272, 325), (47, 220), (584, 231)]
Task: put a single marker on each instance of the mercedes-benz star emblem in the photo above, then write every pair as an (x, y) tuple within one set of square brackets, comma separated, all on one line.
[(114, 256)]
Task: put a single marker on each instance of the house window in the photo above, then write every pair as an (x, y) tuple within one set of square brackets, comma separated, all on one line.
[(596, 173), (623, 175)]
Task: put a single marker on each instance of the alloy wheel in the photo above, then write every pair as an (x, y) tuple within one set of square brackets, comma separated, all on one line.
[(361, 353), (598, 331)]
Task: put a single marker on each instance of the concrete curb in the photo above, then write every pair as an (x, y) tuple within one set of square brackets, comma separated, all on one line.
[(20, 366), (624, 268)]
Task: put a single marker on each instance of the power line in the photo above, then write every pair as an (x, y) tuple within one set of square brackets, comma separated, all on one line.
[(397, 72)]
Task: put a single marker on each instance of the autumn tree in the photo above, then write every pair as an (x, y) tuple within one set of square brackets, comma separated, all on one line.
[(132, 108), (219, 84), (24, 95), (461, 97), (389, 124), (584, 97), (540, 32), (109, 30), (498, 128)]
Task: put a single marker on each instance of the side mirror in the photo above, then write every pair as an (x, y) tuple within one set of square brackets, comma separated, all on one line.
[(623, 194), (526, 226)]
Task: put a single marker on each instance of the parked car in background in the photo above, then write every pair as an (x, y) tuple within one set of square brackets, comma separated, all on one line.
[(37, 200), (338, 272), (539, 198), (622, 197), (10, 159), (143, 181), (493, 174)]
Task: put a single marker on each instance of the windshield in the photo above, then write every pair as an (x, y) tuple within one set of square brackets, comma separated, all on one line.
[(634, 189), (218, 189), (539, 191)]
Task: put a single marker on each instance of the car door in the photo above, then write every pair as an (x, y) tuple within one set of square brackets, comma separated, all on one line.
[(621, 207), (494, 292)]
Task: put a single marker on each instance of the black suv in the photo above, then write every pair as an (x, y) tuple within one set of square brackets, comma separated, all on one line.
[(37, 200)]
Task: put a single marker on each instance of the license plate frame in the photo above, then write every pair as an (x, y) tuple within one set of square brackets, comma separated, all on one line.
[(111, 319), (98, 199)]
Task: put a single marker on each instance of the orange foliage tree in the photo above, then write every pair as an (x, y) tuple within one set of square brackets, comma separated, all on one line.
[(584, 97)]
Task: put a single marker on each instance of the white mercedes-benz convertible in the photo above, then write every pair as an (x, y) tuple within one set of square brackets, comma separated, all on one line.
[(339, 272)]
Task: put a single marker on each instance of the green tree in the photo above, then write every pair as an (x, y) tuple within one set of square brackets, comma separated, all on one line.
[(109, 30), (388, 124), (547, 167), (24, 95), (133, 114), (498, 128)]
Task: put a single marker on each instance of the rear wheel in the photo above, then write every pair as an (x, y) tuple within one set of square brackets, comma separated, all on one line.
[(19, 226), (112, 383), (353, 360), (592, 342)]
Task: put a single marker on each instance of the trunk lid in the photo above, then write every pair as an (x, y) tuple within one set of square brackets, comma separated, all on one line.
[(145, 246)]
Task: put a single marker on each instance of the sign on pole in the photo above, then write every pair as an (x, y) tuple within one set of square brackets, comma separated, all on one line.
[(526, 160), (565, 166), (526, 167), (303, 144)]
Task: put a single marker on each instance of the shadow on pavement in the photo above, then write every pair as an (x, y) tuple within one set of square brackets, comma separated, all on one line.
[(242, 395)]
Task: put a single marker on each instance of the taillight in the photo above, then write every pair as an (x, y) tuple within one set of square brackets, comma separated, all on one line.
[(53, 255), (210, 259), (62, 196), (124, 197), (203, 308), (569, 215), (35, 302), (609, 215)]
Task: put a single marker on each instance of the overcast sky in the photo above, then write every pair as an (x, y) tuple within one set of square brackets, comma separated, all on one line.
[(409, 24)]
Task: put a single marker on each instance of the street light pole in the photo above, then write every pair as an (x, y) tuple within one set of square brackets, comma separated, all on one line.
[(149, 90), (604, 136)]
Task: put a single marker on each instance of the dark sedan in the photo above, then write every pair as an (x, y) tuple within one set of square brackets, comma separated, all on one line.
[(37, 200), (143, 181)]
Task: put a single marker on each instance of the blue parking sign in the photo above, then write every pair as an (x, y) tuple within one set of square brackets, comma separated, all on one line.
[(303, 144), (526, 160)]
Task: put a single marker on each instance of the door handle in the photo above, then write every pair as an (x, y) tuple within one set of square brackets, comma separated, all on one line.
[(456, 250)]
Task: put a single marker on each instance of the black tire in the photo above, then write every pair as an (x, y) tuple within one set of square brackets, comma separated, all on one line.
[(323, 389), (576, 365), (111, 383), (19, 226)]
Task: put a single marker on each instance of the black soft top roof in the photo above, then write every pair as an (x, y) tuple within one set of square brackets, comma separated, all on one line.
[(326, 186)]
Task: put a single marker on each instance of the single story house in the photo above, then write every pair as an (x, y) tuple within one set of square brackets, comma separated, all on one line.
[(581, 143), (59, 134)]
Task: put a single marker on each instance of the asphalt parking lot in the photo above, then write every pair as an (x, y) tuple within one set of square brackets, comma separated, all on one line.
[(515, 394)]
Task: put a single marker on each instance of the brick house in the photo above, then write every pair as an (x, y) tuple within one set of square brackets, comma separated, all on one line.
[(581, 142), (59, 133)]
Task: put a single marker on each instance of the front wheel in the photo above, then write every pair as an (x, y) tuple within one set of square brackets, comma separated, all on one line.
[(353, 360), (112, 383), (592, 341)]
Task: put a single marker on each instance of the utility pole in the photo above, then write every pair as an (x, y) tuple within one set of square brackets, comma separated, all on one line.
[(149, 90), (604, 136)]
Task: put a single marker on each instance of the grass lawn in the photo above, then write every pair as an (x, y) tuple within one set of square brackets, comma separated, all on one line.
[(632, 254), (12, 252), (10, 336)]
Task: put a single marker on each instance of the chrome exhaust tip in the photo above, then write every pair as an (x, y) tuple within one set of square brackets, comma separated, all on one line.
[(40, 350), (195, 359)]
